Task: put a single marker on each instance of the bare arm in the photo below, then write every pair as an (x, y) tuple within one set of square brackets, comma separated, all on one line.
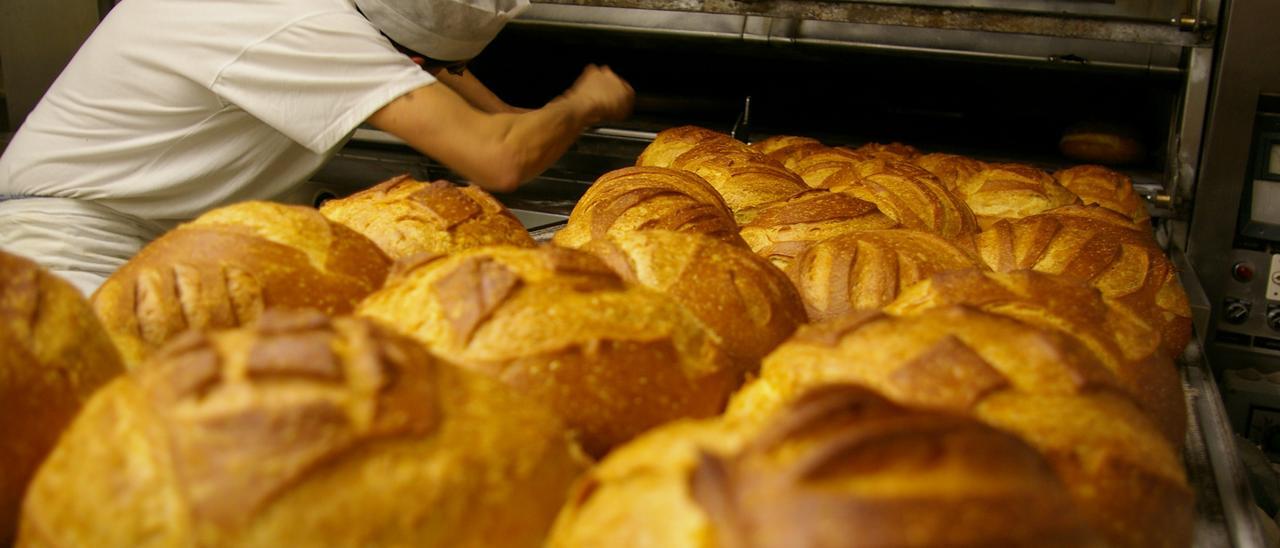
[(500, 151), (475, 92)]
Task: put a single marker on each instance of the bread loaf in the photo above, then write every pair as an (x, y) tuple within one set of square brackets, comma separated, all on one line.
[(1101, 248), (1105, 187), (747, 303), (951, 169), (406, 217), (53, 355), (778, 142), (909, 195), (559, 326), (302, 431), (644, 198), (841, 467), (1123, 474), (782, 230), (745, 178), (1101, 143), (673, 142), (1011, 191), (866, 270), (227, 266), (887, 151), (1122, 341)]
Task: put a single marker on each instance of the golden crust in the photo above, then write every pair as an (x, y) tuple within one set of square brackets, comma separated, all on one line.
[(227, 266), (746, 302), (53, 355), (671, 143), (1011, 191), (644, 198), (1101, 248), (1124, 475), (1122, 341), (778, 142), (840, 467), (1105, 187), (782, 230), (887, 151), (949, 168), (301, 430), (866, 270), (558, 325), (406, 217), (909, 195), (743, 177)]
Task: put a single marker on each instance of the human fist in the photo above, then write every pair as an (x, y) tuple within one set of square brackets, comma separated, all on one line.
[(602, 94)]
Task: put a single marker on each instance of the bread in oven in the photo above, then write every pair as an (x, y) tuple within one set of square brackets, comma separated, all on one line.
[(782, 230), (1105, 187), (1011, 191), (909, 195)]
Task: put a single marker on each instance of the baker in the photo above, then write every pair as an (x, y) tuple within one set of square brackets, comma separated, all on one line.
[(174, 107)]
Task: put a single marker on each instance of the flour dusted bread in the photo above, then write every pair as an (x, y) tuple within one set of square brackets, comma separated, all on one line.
[(227, 266), (1105, 187), (558, 325), (644, 198), (745, 178), (302, 431), (784, 229), (53, 355), (1045, 388), (866, 270), (406, 217), (1101, 248), (1012, 191), (745, 301), (909, 195), (840, 467)]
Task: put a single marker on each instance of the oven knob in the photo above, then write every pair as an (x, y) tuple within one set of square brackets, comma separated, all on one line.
[(1236, 312), (1273, 317), (1242, 272)]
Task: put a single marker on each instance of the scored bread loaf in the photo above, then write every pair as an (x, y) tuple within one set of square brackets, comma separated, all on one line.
[(840, 467), (671, 143), (1125, 477), (302, 431), (1105, 187), (227, 266), (1011, 191), (613, 360), (745, 301), (1121, 340), (53, 355), (866, 270), (775, 143), (887, 151), (949, 168), (909, 195), (644, 198), (782, 230), (1103, 249), (745, 178), (406, 217)]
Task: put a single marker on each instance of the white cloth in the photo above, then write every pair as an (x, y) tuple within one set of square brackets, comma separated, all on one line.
[(174, 107), (446, 30)]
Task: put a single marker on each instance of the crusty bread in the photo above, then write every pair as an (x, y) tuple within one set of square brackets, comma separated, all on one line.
[(1103, 249), (1105, 187), (909, 195), (559, 325), (1100, 143), (1124, 475), (406, 217), (1121, 340), (745, 178), (840, 467), (224, 268), (745, 301), (643, 198), (949, 168), (673, 142), (887, 151), (782, 230), (775, 143), (1011, 191), (53, 355), (302, 431), (866, 270)]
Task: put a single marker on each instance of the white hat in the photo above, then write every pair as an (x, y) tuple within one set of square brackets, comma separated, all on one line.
[(446, 30)]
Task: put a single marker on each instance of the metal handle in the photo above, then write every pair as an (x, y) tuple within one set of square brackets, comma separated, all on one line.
[(742, 127)]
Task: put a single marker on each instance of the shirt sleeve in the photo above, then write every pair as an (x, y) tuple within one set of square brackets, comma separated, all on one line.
[(317, 79)]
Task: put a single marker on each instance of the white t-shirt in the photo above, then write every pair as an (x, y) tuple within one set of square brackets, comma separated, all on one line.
[(174, 107)]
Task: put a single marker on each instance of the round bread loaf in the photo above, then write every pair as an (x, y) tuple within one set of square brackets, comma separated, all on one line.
[(814, 165), (866, 270), (840, 467), (645, 198), (53, 355), (949, 168), (1121, 340), (1105, 187), (890, 151), (1101, 248), (745, 178), (224, 268), (1125, 476), (745, 302), (1101, 143), (778, 142), (782, 230), (302, 431), (909, 195), (671, 143), (1011, 191), (558, 325), (406, 217)]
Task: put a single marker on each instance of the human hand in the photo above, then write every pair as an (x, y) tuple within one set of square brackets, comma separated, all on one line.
[(602, 94)]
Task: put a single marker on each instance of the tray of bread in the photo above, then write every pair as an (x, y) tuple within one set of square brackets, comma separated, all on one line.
[(782, 343)]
